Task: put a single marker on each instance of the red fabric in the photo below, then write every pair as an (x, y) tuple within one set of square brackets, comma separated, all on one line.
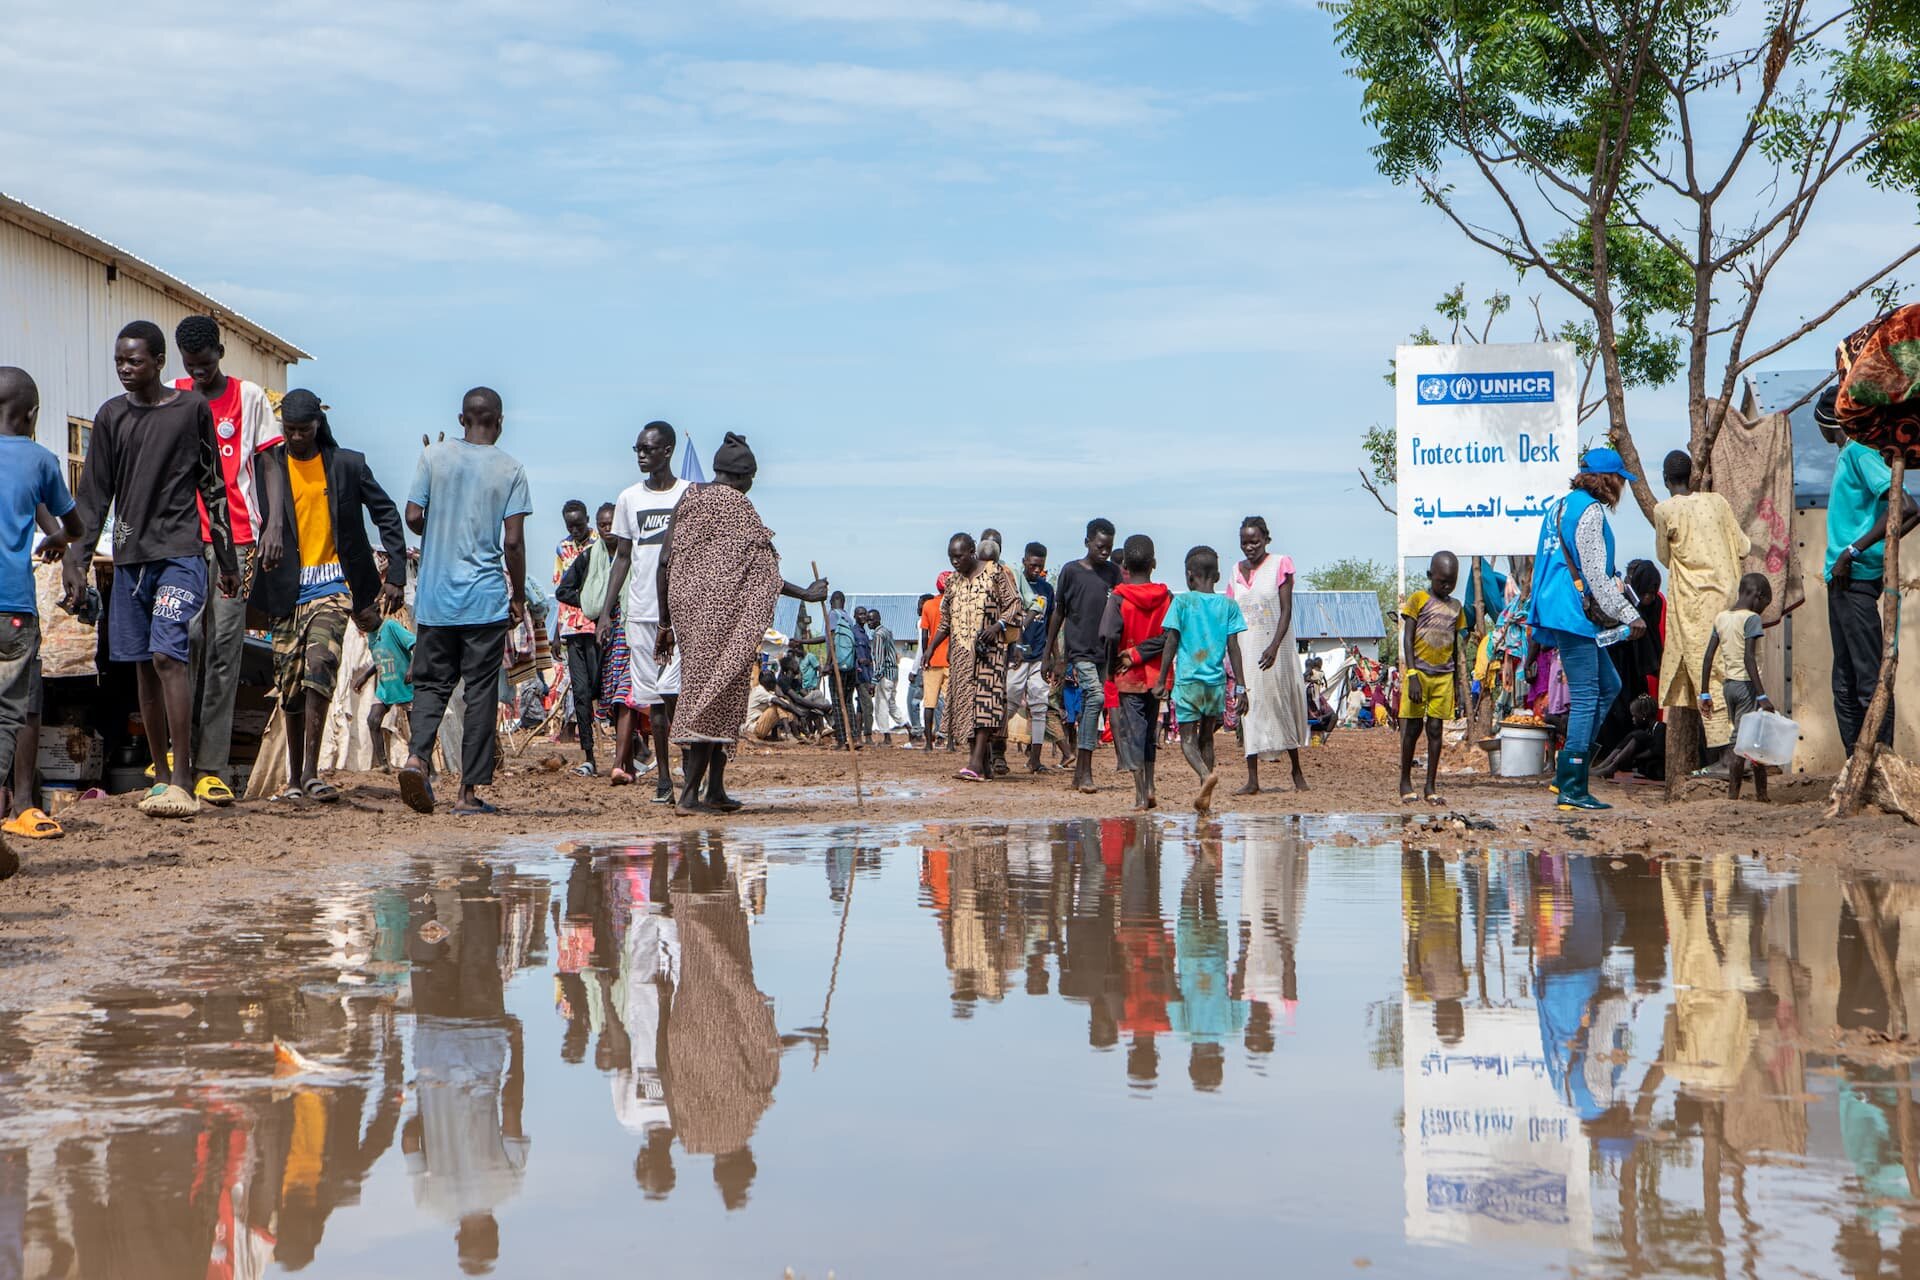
[(227, 428), (1143, 607)]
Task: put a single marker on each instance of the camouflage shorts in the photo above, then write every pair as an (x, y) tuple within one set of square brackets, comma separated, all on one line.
[(306, 647)]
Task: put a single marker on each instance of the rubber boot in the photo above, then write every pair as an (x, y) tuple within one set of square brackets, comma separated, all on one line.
[(1562, 773), (1574, 793)]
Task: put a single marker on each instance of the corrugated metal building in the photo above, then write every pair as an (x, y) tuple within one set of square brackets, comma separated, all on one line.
[(1324, 621), (65, 294), (1327, 623), (900, 612), (1803, 647)]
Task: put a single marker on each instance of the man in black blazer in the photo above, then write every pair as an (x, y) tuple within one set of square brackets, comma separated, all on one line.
[(324, 576)]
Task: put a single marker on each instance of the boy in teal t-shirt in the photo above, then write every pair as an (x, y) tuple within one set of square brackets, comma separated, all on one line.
[(1201, 627), (390, 646)]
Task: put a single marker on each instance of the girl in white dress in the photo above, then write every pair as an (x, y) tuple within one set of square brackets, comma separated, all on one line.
[(1273, 714)]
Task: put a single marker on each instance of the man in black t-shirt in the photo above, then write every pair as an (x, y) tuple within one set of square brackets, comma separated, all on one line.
[(153, 452), (1074, 645)]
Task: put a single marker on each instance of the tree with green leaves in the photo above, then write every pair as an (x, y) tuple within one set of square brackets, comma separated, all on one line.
[(1656, 161), (1649, 359)]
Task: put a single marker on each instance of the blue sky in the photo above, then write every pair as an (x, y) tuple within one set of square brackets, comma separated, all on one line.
[(947, 263)]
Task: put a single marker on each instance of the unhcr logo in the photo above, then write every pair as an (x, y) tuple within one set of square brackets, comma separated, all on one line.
[(1486, 388)]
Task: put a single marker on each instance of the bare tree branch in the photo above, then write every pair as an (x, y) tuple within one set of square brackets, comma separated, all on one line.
[(1832, 311), (1368, 485)]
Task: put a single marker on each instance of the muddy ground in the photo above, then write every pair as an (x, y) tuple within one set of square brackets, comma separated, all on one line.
[(89, 907)]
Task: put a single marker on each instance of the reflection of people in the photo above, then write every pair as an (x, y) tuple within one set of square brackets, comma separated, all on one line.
[(1273, 896), (465, 1149), (1431, 907), (1207, 1014), (1579, 1020), (720, 1052), (1709, 924)]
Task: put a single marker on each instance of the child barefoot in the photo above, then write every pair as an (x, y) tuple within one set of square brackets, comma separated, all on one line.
[(1201, 628), (1737, 631), (1431, 623)]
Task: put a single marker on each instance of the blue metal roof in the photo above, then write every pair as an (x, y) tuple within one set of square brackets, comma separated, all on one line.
[(1813, 457), (901, 613), (1337, 615), (1317, 615)]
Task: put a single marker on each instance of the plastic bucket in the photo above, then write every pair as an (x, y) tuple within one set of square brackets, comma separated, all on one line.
[(1768, 738), (1523, 752)]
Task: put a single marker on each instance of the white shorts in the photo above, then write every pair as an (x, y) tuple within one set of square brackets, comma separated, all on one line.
[(652, 683)]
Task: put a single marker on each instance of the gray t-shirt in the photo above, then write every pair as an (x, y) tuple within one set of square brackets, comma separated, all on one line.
[(468, 490)]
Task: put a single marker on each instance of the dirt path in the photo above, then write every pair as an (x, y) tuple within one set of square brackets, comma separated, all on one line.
[(85, 907)]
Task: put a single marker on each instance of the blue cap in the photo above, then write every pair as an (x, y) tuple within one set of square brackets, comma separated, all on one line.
[(1604, 462)]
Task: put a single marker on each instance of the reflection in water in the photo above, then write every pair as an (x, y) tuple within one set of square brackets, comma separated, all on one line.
[(1648, 1118), (657, 972), (1084, 899), (1618, 1067), (465, 1146)]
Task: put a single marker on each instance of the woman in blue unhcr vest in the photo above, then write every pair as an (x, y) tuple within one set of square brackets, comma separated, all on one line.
[(1577, 597)]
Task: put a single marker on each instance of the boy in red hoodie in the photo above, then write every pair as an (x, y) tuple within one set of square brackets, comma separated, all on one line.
[(1132, 629)]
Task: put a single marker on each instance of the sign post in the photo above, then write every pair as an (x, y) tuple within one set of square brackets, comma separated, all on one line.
[(1488, 438)]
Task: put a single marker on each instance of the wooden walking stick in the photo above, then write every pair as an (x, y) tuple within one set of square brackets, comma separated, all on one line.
[(840, 696)]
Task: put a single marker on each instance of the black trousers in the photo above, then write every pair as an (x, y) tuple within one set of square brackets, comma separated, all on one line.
[(846, 698), (1137, 731), (583, 673), (1853, 618), (443, 656)]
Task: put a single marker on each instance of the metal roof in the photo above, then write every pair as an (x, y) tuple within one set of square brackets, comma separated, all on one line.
[(1317, 615), (1813, 457), (901, 613), (1337, 615), (88, 245)]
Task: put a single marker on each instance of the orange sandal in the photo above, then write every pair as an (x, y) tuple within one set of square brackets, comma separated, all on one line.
[(33, 824)]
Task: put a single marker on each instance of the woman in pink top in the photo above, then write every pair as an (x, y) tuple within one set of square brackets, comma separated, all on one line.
[(1274, 697)]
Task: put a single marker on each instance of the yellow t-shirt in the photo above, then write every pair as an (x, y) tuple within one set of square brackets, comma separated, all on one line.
[(1735, 627), (1435, 623), (320, 573)]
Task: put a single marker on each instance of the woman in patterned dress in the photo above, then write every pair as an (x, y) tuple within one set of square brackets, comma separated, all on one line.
[(979, 607), (722, 577)]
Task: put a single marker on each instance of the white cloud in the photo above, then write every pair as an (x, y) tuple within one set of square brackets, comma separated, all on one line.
[(836, 92), (985, 14)]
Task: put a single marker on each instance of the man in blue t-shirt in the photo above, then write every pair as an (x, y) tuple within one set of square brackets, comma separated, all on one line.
[(469, 504), (29, 480), (1856, 571)]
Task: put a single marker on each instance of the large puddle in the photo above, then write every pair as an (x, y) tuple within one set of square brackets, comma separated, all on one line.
[(1091, 1047)]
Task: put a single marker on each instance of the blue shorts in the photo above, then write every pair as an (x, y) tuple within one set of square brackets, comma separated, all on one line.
[(154, 608), (1193, 701)]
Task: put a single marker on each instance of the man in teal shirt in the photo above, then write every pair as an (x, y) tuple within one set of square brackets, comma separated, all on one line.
[(1856, 572)]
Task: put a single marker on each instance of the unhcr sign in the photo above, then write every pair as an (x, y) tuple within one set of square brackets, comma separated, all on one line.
[(1487, 388), (1487, 441)]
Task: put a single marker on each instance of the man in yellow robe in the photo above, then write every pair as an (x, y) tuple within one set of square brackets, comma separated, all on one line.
[(1698, 539)]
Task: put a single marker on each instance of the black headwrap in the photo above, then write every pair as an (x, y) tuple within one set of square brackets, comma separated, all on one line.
[(301, 405), (734, 457)]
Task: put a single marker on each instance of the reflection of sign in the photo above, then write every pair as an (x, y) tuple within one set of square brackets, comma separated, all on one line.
[(1487, 442), (1518, 1198), (1492, 1151)]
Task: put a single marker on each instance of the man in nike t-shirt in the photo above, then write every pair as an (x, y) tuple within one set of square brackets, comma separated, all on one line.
[(642, 517)]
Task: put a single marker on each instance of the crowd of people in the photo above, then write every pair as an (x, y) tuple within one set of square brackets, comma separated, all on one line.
[(1103, 652), (1606, 659), (218, 503)]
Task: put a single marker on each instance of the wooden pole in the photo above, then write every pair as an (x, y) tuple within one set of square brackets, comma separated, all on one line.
[(1851, 788), (846, 725)]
